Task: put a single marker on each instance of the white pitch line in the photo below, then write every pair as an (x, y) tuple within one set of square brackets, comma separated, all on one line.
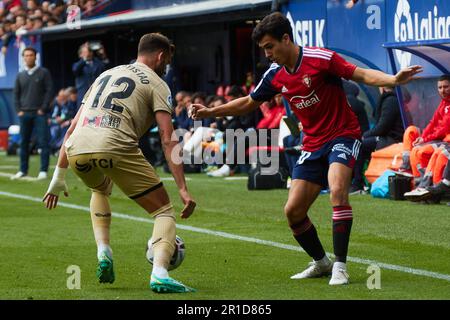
[(419, 272), (8, 167), (172, 179), (26, 178)]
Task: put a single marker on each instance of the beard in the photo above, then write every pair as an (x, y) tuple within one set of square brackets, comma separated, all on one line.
[(160, 70)]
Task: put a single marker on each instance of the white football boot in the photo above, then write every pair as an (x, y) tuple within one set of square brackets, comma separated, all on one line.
[(339, 275), (316, 269)]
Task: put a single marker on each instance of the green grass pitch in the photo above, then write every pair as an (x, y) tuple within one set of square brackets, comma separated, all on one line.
[(38, 246)]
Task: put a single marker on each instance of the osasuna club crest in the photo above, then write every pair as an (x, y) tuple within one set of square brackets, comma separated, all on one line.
[(307, 81)]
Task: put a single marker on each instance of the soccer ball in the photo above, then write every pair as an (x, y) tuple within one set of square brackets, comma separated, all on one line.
[(178, 255)]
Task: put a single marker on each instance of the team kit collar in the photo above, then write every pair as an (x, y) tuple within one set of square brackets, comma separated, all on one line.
[(298, 63)]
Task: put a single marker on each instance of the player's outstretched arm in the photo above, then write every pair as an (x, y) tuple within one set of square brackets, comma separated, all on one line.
[(58, 182), (380, 79), (235, 107), (164, 121)]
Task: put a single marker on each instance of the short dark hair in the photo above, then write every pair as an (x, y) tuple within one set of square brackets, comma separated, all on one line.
[(152, 42), (274, 25), (219, 98), (236, 91), (444, 77), (29, 49), (200, 95)]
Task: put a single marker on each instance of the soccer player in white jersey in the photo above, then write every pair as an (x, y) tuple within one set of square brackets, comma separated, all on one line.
[(101, 147)]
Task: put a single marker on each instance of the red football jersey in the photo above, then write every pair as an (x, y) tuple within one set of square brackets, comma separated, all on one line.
[(315, 94), (439, 125)]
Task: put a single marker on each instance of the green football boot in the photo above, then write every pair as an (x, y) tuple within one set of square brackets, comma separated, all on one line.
[(105, 270), (168, 285)]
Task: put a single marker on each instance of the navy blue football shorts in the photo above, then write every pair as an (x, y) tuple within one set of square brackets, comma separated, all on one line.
[(313, 166)]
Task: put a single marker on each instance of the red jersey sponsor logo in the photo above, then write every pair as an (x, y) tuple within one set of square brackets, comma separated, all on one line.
[(301, 102)]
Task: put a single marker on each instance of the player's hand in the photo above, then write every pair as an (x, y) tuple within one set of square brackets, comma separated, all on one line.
[(57, 185), (189, 204), (197, 111), (407, 74)]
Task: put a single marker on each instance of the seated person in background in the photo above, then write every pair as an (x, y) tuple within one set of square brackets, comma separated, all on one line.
[(436, 181), (417, 147), (292, 145), (358, 107), (72, 96), (56, 120), (182, 120), (245, 122), (193, 144), (272, 111), (249, 84), (388, 129)]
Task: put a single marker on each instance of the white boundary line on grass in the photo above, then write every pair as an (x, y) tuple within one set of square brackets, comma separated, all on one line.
[(394, 267)]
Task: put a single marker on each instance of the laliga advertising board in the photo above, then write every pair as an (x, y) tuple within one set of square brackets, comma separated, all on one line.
[(360, 32)]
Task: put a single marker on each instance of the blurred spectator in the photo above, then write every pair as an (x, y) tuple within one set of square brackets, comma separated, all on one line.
[(249, 84), (64, 110), (182, 120), (419, 146), (72, 98), (45, 5), (52, 21), (37, 23), (273, 112), (200, 97), (51, 12), (20, 24), (193, 144), (352, 91), (244, 122), (292, 145), (9, 5), (32, 5), (86, 70), (99, 52), (388, 129), (56, 119), (32, 93)]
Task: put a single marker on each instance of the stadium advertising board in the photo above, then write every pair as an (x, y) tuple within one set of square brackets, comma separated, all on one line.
[(362, 30), (11, 63)]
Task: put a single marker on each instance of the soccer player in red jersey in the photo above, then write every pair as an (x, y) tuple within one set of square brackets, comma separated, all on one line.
[(310, 80)]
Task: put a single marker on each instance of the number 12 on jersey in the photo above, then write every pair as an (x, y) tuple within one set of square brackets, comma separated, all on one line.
[(125, 93)]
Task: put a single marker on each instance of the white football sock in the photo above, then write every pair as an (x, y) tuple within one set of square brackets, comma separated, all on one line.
[(160, 272), (446, 182), (104, 248)]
